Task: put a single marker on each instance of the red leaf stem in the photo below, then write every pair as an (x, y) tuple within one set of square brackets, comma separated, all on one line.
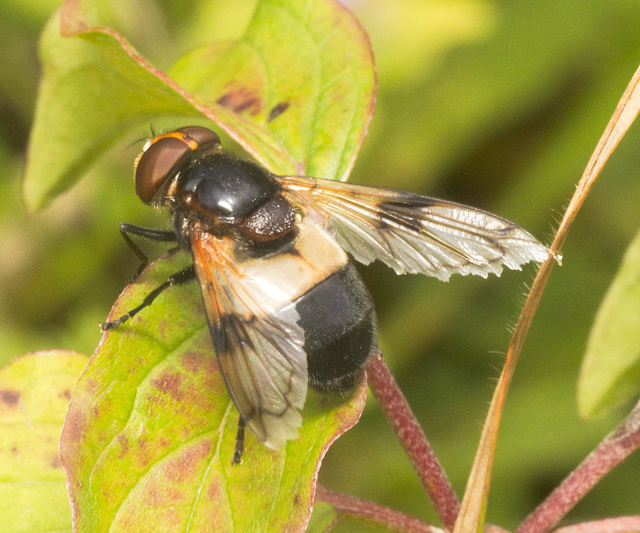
[(414, 441), (614, 449), (374, 513), (622, 524)]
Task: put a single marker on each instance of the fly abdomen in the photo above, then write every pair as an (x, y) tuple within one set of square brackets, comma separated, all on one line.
[(339, 323)]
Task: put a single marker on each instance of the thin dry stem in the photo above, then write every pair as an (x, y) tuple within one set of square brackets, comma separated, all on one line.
[(476, 495)]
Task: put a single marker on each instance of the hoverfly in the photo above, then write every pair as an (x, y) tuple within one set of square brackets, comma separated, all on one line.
[(286, 308)]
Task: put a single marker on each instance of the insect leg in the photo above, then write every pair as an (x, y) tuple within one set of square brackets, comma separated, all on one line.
[(183, 276), (146, 233), (237, 454)]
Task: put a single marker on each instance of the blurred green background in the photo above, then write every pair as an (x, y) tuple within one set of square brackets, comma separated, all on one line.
[(492, 103)]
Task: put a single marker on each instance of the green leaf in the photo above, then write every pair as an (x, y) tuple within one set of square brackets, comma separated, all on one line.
[(301, 79), (150, 433), (297, 92), (34, 395), (149, 438), (323, 518), (610, 373), (92, 92)]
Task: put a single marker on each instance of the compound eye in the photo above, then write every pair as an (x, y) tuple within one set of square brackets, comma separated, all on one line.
[(200, 135), (156, 164)]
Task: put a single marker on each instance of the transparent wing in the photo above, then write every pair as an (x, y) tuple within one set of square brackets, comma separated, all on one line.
[(259, 348), (413, 233)]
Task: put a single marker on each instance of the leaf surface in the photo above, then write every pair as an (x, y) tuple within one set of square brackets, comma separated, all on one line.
[(296, 91), (150, 433), (34, 395), (610, 373)]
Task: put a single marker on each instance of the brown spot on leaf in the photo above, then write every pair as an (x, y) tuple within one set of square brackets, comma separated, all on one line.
[(65, 394), (214, 491), (324, 402), (155, 504), (164, 443), (169, 384), (196, 453), (92, 386), (123, 441), (142, 452), (55, 462), (179, 470), (14, 449), (193, 362), (277, 110), (75, 425), (204, 365), (242, 99), (10, 397), (152, 497)]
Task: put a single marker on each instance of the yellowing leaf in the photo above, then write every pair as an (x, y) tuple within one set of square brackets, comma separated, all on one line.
[(34, 395), (149, 438)]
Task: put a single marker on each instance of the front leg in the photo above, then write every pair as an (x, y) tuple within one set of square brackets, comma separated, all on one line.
[(183, 276), (145, 233)]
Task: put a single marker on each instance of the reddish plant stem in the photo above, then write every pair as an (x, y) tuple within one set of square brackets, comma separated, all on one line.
[(374, 513), (614, 449), (622, 524), (413, 439)]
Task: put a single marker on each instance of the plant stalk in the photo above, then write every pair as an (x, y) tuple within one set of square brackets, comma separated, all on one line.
[(374, 513), (414, 441), (614, 449)]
